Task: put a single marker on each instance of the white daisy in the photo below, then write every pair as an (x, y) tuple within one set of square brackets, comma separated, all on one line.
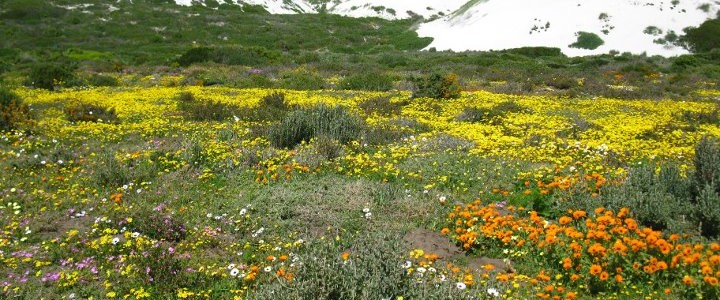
[(460, 285), (115, 240), (234, 272), (267, 269), (493, 292)]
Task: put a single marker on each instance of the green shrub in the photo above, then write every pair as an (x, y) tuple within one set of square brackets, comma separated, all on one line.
[(102, 80), (367, 82), (703, 38), (274, 100), (195, 55), (199, 110), (707, 164), (373, 271), (85, 112), (12, 110), (437, 86), (251, 56), (49, 76), (587, 40), (318, 121), (304, 81)]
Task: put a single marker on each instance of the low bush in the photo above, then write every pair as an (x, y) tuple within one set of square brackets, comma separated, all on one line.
[(587, 40), (86, 112), (12, 110), (437, 86), (198, 110), (367, 82), (318, 121), (304, 81), (49, 76)]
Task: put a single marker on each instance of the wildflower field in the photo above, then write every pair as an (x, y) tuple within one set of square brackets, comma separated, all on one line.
[(161, 191)]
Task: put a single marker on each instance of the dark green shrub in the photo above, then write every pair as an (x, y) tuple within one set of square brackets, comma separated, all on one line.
[(195, 55), (535, 52), (587, 40), (437, 86), (708, 211), (707, 164), (251, 56), (12, 109), (367, 82), (102, 80), (304, 81), (199, 110), (703, 38), (31, 9), (49, 76), (274, 100), (318, 121), (85, 112)]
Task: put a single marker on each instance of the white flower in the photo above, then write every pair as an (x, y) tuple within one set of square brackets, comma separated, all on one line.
[(135, 234), (366, 210), (234, 272), (60, 162), (442, 199), (421, 270), (432, 270), (115, 240), (460, 285), (43, 162), (267, 269), (243, 211), (493, 292), (442, 277), (368, 215), (407, 264), (231, 266)]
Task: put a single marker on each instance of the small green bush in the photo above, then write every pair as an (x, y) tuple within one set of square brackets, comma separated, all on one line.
[(102, 80), (318, 121), (303, 81), (367, 82), (437, 86), (703, 38), (12, 109), (85, 112), (204, 110), (49, 76), (195, 55), (587, 40)]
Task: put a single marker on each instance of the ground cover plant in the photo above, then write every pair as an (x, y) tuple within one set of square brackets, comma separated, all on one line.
[(483, 195), (150, 150)]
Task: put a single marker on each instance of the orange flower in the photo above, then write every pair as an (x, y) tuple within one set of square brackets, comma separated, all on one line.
[(711, 280), (604, 276), (579, 214), (570, 295), (595, 270), (564, 220), (667, 291), (687, 280), (619, 278), (345, 255), (445, 230)]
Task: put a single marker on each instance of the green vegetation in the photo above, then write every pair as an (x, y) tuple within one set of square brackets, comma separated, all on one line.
[(703, 38), (587, 40)]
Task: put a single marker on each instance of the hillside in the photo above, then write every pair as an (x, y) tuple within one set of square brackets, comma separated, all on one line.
[(459, 25)]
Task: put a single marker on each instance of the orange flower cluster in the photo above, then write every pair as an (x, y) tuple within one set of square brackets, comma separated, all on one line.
[(605, 251), (591, 183)]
